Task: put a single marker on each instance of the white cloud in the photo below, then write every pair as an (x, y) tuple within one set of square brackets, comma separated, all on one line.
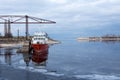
[(66, 12), (58, 1)]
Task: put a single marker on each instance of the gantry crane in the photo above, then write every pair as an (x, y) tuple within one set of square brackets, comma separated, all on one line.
[(7, 20)]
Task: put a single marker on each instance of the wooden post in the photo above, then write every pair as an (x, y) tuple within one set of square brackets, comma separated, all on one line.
[(5, 28), (26, 27)]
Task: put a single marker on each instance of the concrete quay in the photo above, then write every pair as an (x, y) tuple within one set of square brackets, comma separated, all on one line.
[(21, 43), (25, 47)]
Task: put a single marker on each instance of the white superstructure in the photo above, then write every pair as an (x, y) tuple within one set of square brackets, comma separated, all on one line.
[(40, 38)]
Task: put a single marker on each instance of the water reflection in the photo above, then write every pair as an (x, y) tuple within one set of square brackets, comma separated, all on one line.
[(6, 55), (10, 57), (26, 57)]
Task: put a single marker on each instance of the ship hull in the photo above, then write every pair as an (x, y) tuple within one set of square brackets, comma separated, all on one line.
[(40, 53)]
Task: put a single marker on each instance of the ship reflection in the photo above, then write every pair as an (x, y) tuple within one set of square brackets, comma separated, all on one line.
[(29, 57), (38, 58)]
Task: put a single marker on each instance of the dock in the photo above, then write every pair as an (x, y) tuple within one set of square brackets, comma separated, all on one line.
[(21, 42), (8, 40), (25, 47)]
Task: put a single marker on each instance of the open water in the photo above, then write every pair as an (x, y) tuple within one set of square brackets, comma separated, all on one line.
[(69, 60)]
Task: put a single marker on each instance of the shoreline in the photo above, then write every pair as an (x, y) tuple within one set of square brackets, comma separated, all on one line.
[(98, 39), (23, 43)]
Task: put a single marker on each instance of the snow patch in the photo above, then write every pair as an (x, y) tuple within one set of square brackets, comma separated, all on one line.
[(43, 71), (54, 74), (98, 77)]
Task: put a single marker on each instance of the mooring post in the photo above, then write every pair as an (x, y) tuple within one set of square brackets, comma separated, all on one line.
[(5, 28), (18, 33), (26, 27)]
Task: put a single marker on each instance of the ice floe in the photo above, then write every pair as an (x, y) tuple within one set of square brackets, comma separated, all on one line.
[(43, 71), (98, 77), (3, 78)]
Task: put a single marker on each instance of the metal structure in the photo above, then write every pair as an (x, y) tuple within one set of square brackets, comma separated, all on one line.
[(7, 20)]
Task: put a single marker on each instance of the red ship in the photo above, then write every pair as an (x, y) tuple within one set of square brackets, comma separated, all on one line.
[(40, 47)]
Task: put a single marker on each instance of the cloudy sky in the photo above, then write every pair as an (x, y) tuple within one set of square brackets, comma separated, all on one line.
[(73, 17)]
